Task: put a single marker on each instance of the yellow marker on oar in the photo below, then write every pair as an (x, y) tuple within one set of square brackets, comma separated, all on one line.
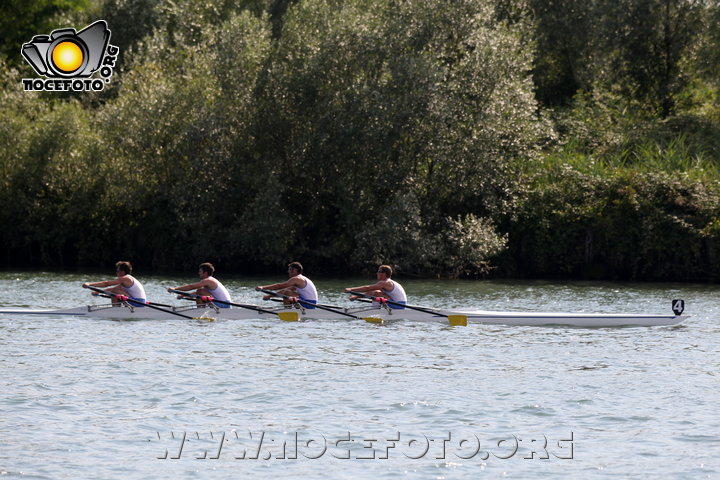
[(309, 305), (373, 319), (288, 316), (457, 320), (285, 316), (454, 320)]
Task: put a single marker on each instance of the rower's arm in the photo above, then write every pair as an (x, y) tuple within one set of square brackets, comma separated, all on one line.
[(106, 283), (185, 288), (275, 286), (366, 288)]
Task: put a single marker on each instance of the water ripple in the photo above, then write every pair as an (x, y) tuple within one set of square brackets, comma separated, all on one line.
[(107, 398)]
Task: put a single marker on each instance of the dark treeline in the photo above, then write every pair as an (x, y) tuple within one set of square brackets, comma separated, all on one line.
[(449, 138)]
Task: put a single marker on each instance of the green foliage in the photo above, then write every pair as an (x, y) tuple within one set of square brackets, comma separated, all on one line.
[(623, 195), (130, 21), (417, 108), (20, 20), (639, 49), (350, 133), (646, 227), (47, 179), (647, 48), (652, 218), (185, 123), (564, 32), (706, 60)]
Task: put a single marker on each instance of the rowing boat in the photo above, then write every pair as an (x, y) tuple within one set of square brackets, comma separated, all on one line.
[(372, 313)]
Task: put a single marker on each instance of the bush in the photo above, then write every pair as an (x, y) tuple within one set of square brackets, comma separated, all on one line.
[(629, 226)]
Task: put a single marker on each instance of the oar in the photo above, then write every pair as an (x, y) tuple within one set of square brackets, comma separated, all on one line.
[(454, 320), (280, 300), (286, 316), (127, 299), (323, 307), (105, 294)]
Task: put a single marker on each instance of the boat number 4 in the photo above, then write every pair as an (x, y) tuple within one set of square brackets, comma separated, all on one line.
[(678, 306)]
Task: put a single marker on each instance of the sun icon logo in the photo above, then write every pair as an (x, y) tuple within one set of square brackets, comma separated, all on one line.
[(67, 53), (67, 56), (68, 59)]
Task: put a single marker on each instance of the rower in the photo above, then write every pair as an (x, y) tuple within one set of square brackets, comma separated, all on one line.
[(383, 288), (208, 286), (124, 284), (297, 286)]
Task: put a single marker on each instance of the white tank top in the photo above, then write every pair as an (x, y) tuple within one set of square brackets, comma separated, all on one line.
[(397, 293), (308, 292), (220, 292), (135, 290)]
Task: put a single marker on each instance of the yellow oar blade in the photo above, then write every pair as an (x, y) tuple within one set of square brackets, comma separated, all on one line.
[(373, 319), (289, 316), (457, 320)]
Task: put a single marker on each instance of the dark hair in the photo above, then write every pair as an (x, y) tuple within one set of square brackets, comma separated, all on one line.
[(386, 269), (296, 265), (124, 266), (207, 267)]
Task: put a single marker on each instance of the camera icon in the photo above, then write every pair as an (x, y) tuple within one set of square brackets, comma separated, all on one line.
[(67, 53)]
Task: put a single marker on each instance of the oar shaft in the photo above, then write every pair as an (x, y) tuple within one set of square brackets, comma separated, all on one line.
[(411, 307), (279, 299), (215, 300), (303, 302), (105, 295), (130, 300), (168, 311)]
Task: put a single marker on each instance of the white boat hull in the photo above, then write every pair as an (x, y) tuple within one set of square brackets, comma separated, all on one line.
[(377, 315)]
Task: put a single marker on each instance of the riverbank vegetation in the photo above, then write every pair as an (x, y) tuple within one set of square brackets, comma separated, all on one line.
[(466, 138)]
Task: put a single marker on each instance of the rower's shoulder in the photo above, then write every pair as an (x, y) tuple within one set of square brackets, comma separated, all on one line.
[(300, 280)]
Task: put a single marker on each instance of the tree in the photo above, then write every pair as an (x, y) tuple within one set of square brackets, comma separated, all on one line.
[(20, 20), (564, 32), (635, 48), (397, 113), (646, 42)]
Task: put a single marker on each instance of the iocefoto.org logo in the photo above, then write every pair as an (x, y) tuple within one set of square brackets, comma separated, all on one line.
[(68, 59)]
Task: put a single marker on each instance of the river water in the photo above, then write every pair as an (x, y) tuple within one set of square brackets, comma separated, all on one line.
[(182, 398)]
